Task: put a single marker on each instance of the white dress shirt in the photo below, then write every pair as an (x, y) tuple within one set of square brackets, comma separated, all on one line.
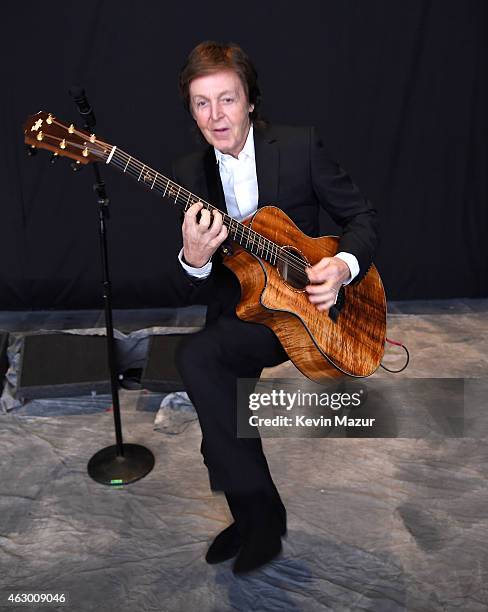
[(240, 185)]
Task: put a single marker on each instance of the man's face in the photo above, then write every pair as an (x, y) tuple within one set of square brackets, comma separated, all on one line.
[(221, 109)]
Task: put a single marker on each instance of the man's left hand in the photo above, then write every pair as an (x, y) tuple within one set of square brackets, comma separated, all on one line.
[(326, 278)]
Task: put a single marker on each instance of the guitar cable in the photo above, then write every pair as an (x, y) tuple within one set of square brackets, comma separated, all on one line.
[(406, 363)]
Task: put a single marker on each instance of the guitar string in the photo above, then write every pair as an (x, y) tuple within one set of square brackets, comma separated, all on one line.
[(185, 197), (298, 272), (271, 249)]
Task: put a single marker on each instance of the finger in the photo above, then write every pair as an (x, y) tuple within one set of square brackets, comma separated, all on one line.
[(331, 274), (217, 222), (318, 288), (322, 263), (194, 210), (315, 272), (321, 294), (330, 296), (218, 219), (217, 241), (325, 304), (205, 219), (189, 220)]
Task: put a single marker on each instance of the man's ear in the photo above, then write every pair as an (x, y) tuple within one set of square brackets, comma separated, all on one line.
[(251, 107)]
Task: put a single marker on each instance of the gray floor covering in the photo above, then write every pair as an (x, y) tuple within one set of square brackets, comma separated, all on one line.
[(374, 524)]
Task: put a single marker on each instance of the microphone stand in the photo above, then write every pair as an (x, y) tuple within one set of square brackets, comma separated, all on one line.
[(120, 463)]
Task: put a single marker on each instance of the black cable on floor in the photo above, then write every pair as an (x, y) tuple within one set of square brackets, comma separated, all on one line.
[(406, 363)]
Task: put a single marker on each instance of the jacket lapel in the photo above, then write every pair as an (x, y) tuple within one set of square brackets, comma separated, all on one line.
[(214, 184), (267, 165)]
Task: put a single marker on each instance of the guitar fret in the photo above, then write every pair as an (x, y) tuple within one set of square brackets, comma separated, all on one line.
[(242, 234), (268, 251), (109, 158)]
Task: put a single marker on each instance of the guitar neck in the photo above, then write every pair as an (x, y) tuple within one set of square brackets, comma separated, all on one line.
[(181, 197), (46, 131)]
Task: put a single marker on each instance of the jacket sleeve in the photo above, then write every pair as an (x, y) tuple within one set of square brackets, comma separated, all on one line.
[(341, 198), (187, 289)]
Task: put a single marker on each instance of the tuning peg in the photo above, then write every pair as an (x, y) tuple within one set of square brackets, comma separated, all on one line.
[(31, 150), (76, 166), (54, 158)]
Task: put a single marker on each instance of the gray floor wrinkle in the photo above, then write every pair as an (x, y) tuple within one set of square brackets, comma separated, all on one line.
[(375, 524)]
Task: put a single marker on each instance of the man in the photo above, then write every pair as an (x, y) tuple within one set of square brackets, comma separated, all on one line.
[(248, 164)]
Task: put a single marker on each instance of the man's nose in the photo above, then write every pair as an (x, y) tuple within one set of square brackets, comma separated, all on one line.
[(216, 111)]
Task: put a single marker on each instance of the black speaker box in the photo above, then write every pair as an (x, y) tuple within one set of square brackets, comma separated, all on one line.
[(160, 373), (63, 365)]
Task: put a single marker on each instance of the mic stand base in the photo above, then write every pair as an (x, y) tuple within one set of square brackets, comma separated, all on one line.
[(109, 468)]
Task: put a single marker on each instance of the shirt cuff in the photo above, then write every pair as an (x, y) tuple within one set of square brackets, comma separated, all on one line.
[(202, 272), (352, 264)]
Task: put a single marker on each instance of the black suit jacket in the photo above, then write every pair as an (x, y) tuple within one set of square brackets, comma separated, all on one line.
[(296, 173)]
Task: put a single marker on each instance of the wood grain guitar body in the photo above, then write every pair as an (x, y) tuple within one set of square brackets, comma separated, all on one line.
[(320, 345)]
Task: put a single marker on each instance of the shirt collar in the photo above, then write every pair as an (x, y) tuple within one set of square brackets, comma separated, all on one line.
[(247, 151)]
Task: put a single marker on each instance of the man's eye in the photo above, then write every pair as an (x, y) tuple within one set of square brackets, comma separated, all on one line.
[(201, 103), (228, 100)]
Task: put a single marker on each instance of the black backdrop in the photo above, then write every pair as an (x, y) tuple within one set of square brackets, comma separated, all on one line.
[(396, 87)]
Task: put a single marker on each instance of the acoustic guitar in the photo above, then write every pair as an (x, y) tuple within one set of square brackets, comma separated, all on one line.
[(270, 259)]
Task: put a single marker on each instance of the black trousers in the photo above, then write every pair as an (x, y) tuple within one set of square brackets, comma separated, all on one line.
[(210, 362)]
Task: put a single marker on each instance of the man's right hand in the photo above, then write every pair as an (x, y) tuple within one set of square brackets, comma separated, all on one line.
[(201, 238)]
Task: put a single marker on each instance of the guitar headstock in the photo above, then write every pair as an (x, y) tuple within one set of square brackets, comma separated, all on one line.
[(45, 131)]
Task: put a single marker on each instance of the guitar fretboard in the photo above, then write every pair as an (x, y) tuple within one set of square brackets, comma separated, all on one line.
[(181, 197)]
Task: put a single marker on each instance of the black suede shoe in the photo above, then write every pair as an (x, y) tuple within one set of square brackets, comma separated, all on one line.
[(239, 508), (258, 548), (225, 546), (261, 538)]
